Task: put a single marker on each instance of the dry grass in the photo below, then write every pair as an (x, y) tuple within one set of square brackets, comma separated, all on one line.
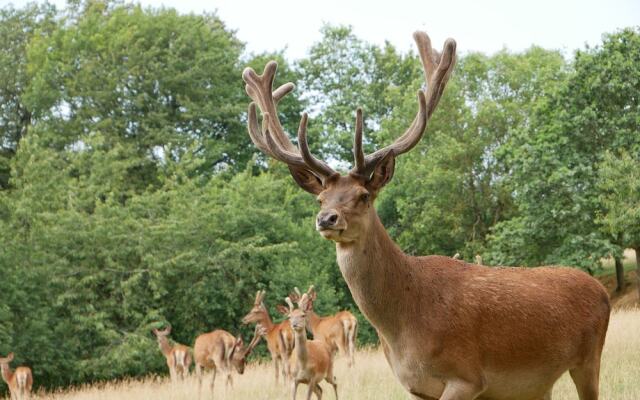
[(372, 377)]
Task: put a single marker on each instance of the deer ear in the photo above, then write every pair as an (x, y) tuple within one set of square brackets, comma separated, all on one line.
[(383, 172), (306, 179)]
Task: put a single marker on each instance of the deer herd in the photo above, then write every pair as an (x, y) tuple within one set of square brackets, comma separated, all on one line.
[(295, 358), (450, 330)]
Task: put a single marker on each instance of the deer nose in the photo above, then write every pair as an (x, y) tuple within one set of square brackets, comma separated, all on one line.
[(327, 219)]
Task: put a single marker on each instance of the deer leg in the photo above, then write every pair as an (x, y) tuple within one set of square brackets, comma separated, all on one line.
[(199, 375), (318, 391), (586, 379), (333, 383), (276, 363), (213, 380), (312, 388), (229, 380), (294, 388)]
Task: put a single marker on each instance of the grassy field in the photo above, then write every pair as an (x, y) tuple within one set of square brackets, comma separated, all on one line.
[(372, 379)]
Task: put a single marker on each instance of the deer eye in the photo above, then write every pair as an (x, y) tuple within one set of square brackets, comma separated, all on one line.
[(364, 197), (319, 201)]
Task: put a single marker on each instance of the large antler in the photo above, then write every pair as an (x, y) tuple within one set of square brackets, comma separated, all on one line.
[(437, 69), (271, 138)]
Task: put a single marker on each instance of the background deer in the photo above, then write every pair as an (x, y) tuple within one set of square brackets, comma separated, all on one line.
[(449, 330), (178, 356), (279, 337), (19, 381), (220, 350), (312, 360), (339, 330)]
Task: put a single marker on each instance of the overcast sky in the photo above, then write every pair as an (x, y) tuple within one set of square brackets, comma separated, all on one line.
[(477, 25)]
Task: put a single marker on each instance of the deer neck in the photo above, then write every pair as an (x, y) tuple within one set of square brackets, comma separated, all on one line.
[(266, 321), (165, 347), (314, 320), (7, 374), (374, 268), (300, 346)]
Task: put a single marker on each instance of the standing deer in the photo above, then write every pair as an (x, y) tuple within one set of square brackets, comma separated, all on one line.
[(339, 330), (220, 350), (279, 337), (312, 360), (449, 330), (19, 381), (178, 356)]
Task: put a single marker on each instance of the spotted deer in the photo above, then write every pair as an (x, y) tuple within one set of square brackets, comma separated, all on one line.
[(19, 381), (220, 350), (338, 330), (178, 356), (449, 330), (279, 336), (312, 360)]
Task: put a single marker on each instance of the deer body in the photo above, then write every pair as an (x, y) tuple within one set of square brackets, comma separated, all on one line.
[(19, 381), (279, 337), (312, 360), (178, 356), (220, 350), (507, 333), (450, 330)]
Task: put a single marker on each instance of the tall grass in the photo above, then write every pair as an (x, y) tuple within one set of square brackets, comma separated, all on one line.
[(372, 378)]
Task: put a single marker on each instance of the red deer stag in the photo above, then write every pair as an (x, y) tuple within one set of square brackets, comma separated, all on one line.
[(19, 381), (338, 330), (312, 360), (220, 350), (178, 356), (449, 330), (279, 337)]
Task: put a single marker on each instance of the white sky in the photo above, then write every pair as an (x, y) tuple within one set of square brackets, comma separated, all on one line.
[(480, 25)]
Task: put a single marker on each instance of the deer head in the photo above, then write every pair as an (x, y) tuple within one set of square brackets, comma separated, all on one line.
[(258, 311), (345, 200), (298, 316), (239, 353), (163, 333), (6, 360)]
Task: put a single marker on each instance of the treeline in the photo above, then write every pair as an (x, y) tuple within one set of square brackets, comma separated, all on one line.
[(131, 195)]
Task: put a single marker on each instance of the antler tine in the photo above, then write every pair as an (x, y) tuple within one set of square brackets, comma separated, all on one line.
[(289, 303), (358, 153), (313, 163), (437, 70), (272, 139)]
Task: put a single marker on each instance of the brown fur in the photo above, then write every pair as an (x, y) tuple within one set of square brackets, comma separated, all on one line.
[(220, 350), (178, 356), (19, 381), (312, 360), (279, 337), (450, 330)]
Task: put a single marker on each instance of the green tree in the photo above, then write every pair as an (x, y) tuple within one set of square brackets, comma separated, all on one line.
[(342, 73), (619, 186), (555, 159), (17, 28), (452, 189), (152, 81)]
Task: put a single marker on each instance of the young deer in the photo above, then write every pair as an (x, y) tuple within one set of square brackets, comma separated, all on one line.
[(450, 330), (178, 356), (339, 330), (220, 350), (312, 360), (279, 337), (19, 381)]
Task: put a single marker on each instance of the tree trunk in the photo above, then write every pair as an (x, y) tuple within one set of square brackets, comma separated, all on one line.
[(637, 249), (619, 274)]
